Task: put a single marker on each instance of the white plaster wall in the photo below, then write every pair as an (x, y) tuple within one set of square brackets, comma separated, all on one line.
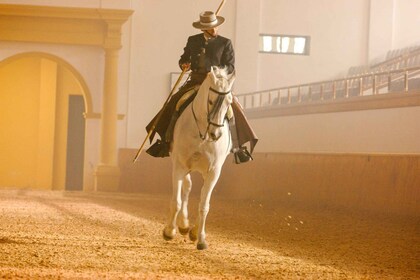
[(393, 25), (247, 44), (407, 23), (381, 28), (338, 31), (370, 131)]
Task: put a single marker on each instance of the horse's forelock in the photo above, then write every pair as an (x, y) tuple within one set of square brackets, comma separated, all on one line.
[(223, 72), (220, 72)]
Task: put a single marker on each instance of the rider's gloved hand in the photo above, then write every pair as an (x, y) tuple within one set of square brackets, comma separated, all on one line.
[(186, 66)]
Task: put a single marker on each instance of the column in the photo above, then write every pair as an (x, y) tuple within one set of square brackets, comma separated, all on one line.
[(107, 173)]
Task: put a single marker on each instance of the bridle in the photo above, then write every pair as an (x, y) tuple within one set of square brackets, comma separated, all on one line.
[(218, 104)]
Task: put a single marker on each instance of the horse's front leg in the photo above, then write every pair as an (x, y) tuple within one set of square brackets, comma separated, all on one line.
[(183, 221), (204, 206), (178, 177)]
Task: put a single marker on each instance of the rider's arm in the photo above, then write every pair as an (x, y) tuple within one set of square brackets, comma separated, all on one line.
[(185, 60), (228, 57)]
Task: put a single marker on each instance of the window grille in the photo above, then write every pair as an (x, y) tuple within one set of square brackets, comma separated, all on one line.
[(284, 44)]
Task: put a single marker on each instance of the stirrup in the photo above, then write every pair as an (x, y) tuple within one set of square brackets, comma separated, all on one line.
[(242, 155)]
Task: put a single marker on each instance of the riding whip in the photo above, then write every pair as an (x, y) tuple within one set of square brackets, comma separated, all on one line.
[(152, 129), (220, 7)]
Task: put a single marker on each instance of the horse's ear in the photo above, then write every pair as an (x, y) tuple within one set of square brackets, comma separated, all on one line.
[(213, 75), (232, 77)]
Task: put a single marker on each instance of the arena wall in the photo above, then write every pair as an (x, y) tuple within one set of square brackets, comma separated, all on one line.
[(385, 183)]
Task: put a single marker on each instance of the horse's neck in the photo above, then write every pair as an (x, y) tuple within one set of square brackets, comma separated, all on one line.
[(200, 101)]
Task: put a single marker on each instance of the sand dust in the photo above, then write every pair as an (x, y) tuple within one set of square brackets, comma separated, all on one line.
[(76, 235)]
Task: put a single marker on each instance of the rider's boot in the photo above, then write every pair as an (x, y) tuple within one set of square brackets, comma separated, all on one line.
[(240, 153), (161, 147)]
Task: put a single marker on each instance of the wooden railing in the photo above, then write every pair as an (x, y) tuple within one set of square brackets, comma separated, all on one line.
[(378, 83)]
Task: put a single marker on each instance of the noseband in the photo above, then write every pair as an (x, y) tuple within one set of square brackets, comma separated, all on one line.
[(210, 114)]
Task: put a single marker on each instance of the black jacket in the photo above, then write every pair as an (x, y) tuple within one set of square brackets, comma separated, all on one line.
[(218, 52)]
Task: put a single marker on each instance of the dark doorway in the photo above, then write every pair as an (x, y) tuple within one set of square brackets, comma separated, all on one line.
[(75, 143)]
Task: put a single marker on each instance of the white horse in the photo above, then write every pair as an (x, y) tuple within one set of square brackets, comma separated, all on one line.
[(201, 143)]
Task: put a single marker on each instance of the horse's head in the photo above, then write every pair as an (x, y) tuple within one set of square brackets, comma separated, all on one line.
[(219, 99)]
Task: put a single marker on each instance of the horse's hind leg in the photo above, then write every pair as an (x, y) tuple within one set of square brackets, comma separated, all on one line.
[(204, 207), (175, 205), (183, 221)]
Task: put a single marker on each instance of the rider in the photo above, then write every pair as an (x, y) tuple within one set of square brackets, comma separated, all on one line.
[(202, 51)]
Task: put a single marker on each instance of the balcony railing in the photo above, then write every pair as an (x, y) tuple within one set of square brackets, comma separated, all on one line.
[(371, 84)]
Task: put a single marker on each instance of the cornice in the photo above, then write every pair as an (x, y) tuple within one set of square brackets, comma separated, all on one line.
[(62, 25), (63, 12)]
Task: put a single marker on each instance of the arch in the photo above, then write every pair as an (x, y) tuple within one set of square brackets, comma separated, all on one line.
[(85, 89)]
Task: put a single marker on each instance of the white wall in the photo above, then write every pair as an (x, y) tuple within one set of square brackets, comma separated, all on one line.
[(381, 28), (338, 32), (394, 24), (407, 23), (246, 45), (370, 131)]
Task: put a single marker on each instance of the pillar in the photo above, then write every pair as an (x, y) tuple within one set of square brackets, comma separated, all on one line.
[(107, 173)]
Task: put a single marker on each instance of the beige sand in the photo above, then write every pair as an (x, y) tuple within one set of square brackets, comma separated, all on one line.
[(65, 235)]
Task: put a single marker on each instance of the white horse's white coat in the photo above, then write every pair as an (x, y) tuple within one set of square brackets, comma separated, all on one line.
[(202, 147)]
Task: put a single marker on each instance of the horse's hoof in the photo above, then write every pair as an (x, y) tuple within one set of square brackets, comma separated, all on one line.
[(183, 231), (193, 235), (201, 246), (166, 237)]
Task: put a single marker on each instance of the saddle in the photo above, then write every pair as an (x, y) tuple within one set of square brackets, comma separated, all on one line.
[(188, 97)]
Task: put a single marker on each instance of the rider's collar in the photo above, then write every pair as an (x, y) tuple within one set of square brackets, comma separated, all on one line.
[(208, 36)]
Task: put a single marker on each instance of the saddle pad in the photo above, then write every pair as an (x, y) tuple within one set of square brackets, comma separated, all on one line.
[(185, 97)]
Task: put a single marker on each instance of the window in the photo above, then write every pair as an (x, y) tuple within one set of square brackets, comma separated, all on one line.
[(284, 44)]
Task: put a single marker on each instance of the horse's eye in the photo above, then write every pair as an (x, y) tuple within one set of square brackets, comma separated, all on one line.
[(211, 102)]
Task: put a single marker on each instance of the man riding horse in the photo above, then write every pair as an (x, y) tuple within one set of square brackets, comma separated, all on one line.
[(203, 51)]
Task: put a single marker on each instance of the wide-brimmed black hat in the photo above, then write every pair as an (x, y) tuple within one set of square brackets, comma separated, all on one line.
[(208, 20)]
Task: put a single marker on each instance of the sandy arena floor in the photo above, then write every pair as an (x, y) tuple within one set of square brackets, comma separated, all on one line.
[(75, 235)]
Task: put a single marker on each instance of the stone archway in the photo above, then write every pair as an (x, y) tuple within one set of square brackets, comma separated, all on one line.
[(83, 27), (37, 89), (63, 63)]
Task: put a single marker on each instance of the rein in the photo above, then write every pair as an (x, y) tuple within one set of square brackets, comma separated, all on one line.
[(219, 102)]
